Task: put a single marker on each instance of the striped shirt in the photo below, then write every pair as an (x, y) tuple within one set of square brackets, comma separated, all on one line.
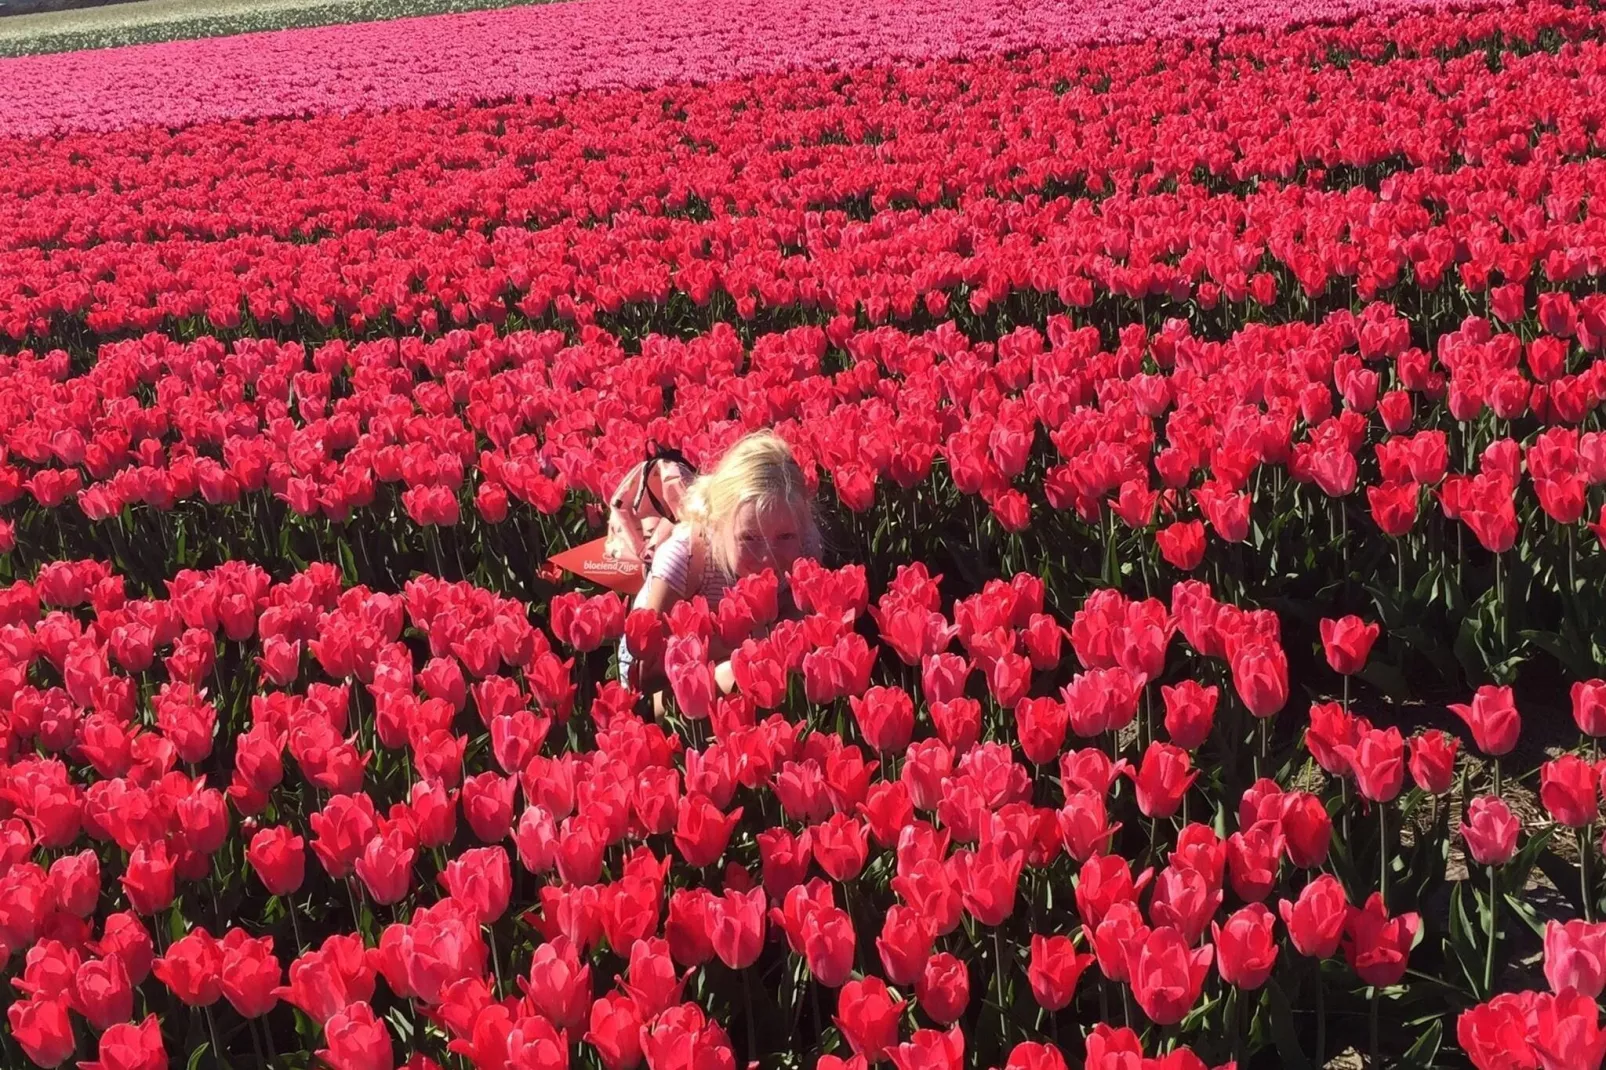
[(672, 562)]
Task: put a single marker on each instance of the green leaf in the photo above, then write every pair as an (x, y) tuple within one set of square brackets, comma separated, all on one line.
[(195, 1056), (1426, 1049), (1514, 874), (1573, 651), (1283, 1032), (1387, 679), (1529, 917)]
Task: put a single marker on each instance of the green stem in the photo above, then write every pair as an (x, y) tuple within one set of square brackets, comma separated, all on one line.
[(1586, 847), (752, 1028), (998, 959), (1572, 558), (1376, 1062), (1321, 1017), (1383, 853), (1500, 596), (301, 945), (496, 960), (211, 1028), (1491, 927)]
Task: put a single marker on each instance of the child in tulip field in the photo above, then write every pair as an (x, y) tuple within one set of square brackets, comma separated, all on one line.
[(752, 512)]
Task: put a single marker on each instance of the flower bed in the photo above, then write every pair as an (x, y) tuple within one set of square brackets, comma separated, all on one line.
[(531, 51), (1207, 439)]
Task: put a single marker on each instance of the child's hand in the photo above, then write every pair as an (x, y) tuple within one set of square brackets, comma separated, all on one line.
[(725, 677)]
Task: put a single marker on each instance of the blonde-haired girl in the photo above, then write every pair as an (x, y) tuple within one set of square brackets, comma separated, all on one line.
[(753, 511)]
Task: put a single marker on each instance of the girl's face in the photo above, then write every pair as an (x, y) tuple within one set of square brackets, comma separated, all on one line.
[(765, 538)]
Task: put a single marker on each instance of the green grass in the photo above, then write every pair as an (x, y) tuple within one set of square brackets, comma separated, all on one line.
[(145, 21)]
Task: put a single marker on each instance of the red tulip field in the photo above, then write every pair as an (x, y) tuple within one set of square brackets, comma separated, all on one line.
[(1203, 414)]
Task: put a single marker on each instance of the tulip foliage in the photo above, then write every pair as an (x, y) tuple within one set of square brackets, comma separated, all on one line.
[(1207, 440)]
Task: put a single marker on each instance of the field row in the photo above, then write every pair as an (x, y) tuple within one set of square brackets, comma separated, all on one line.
[(528, 52)]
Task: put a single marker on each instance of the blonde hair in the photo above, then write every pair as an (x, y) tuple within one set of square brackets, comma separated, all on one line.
[(758, 469)]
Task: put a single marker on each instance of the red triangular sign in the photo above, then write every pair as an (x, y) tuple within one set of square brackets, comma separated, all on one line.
[(588, 561)]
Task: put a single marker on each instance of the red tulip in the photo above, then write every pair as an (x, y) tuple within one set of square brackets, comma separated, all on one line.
[(1121, 927), (943, 676), (840, 847), (958, 722), (1316, 920), (1246, 947), (1575, 957), (1101, 700), (1490, 830), (987, 882), (249, 973), (1394, 507), (943, 991), (1190, 710), (932, 890), (885, 716), (148, 879), (192, 968), (1377, 945), (386, 866), (904, 944), (1089, 769), (930, 1050), (1167, 976), (1084, 825), (1030, 1055), (1182, 544), (702, 831), (1162, 779), (333, 977), (559, 983), (1103, 881), (357, 1040), (1493, 718), (650, 979), (1567, 790), (1184, 899), (1043, 638), (1496, 1035), (1347, 642), (42, 1029), (1378, 762), (736, 927), (683, 1036), (1198, 847), (129, 1047), (1053, 970), (615, 1028), (1253, 858), (688, 926), (868, 1017), (1260, 676), (1227, 512), (124, 936), (102, 992), (1589, 707), (1432, 760), (1307, 830), (1331, 728), (828, 945)]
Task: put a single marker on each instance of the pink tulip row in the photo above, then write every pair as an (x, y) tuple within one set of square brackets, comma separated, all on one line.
[(531, 51)]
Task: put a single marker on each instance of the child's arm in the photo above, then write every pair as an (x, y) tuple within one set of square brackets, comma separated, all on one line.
[(657, 595)]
